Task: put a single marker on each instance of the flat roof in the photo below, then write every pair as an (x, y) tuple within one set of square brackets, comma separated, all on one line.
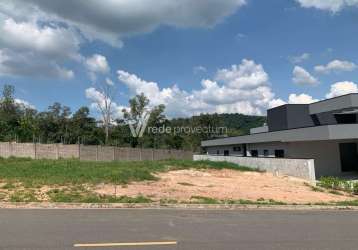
[(331, 104), (317, 133)]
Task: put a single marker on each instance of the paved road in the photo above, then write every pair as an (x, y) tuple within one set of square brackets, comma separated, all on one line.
[(192, 230)]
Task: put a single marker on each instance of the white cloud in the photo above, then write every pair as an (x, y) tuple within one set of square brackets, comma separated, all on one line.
[(24, 103), (48, 41), (242, 88), (247, 75), (109, 81), (199, 69), (97, 64), (114, 20), (31, 49), (303, 77), (240, 36), (276, 102), (50, 33), (30, 64), (336, 66), (98, 98), (329, 5), (342, 88), (299, 59), (301, 99)]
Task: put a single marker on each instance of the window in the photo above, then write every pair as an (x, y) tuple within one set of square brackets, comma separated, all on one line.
[(346, 118), (254, 153), (218, 152), (226, 153), (236, 149), (279, 153), (266, 153)]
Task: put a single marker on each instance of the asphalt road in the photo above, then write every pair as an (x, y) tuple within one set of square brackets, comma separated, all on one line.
[(190, 230)]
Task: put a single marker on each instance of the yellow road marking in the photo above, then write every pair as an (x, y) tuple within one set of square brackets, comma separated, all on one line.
[(162, 243)]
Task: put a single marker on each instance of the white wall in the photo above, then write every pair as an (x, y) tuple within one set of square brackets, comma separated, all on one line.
[(301, 168)]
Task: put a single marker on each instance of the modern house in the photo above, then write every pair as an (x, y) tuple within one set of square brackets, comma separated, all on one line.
[(326, 131)]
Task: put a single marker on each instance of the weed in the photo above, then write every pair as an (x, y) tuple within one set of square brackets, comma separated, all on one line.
[(23, 196), (8, 186), (185, 184)]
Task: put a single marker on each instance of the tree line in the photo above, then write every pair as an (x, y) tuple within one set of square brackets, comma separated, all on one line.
[(58, 124)]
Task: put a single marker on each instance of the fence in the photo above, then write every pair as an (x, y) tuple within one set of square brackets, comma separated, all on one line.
[(301, 168), (89, 153)]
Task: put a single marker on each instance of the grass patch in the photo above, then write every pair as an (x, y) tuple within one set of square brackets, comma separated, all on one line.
[(347, 203), (335, 192), (8, 186), (23, 196), (204, 200), (337, 184), (317, 189), (36, 173), (207, 200), (76, 196)]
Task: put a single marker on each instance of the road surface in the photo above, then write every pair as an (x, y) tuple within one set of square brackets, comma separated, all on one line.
[(177, 229)]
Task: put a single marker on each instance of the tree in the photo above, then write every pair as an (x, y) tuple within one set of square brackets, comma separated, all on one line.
[(10, 113), (139, 108), (83, 128), (104, 103)]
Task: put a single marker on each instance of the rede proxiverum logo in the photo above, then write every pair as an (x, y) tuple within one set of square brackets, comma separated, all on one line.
[(137, 129)]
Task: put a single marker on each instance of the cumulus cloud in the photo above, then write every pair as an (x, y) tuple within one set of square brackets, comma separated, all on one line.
[(51, 32), (114, 20), (342, 88), (96, 98), (97, 64), (328, 5), (24, 103), (299, 59), (30, 64), (242, 88), (303, 77), (336, 66), (29, 49), (301, 99)]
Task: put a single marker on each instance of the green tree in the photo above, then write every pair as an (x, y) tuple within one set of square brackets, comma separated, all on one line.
[(138, 109)]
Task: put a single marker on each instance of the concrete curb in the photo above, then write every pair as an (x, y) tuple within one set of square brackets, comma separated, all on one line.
[(45, 205)]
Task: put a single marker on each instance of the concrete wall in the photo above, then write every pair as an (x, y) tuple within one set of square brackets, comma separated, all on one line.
[(89, 153), (301, 168)]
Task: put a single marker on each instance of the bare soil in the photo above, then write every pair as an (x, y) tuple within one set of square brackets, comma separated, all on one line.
[(224, 184)]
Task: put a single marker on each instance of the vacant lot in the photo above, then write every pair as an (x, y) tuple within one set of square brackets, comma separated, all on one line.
[(169, 181)]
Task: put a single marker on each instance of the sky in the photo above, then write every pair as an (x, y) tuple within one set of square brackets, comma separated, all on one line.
[(203, 56)]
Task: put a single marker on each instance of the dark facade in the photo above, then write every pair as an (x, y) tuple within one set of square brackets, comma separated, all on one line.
[(291, 116), (288, 117)]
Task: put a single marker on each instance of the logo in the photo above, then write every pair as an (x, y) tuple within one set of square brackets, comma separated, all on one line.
[(137, 129)]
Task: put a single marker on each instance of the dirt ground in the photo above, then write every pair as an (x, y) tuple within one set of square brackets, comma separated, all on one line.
[(224, 184)]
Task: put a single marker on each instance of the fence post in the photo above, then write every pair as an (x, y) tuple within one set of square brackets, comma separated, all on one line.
[(57, 151), (114, 153), (35, 151), (97, 153), (10, 149), (79, 150), (152, 154), (140, 154)]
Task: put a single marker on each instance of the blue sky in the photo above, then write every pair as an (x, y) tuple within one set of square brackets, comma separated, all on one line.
[(295, 51)]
